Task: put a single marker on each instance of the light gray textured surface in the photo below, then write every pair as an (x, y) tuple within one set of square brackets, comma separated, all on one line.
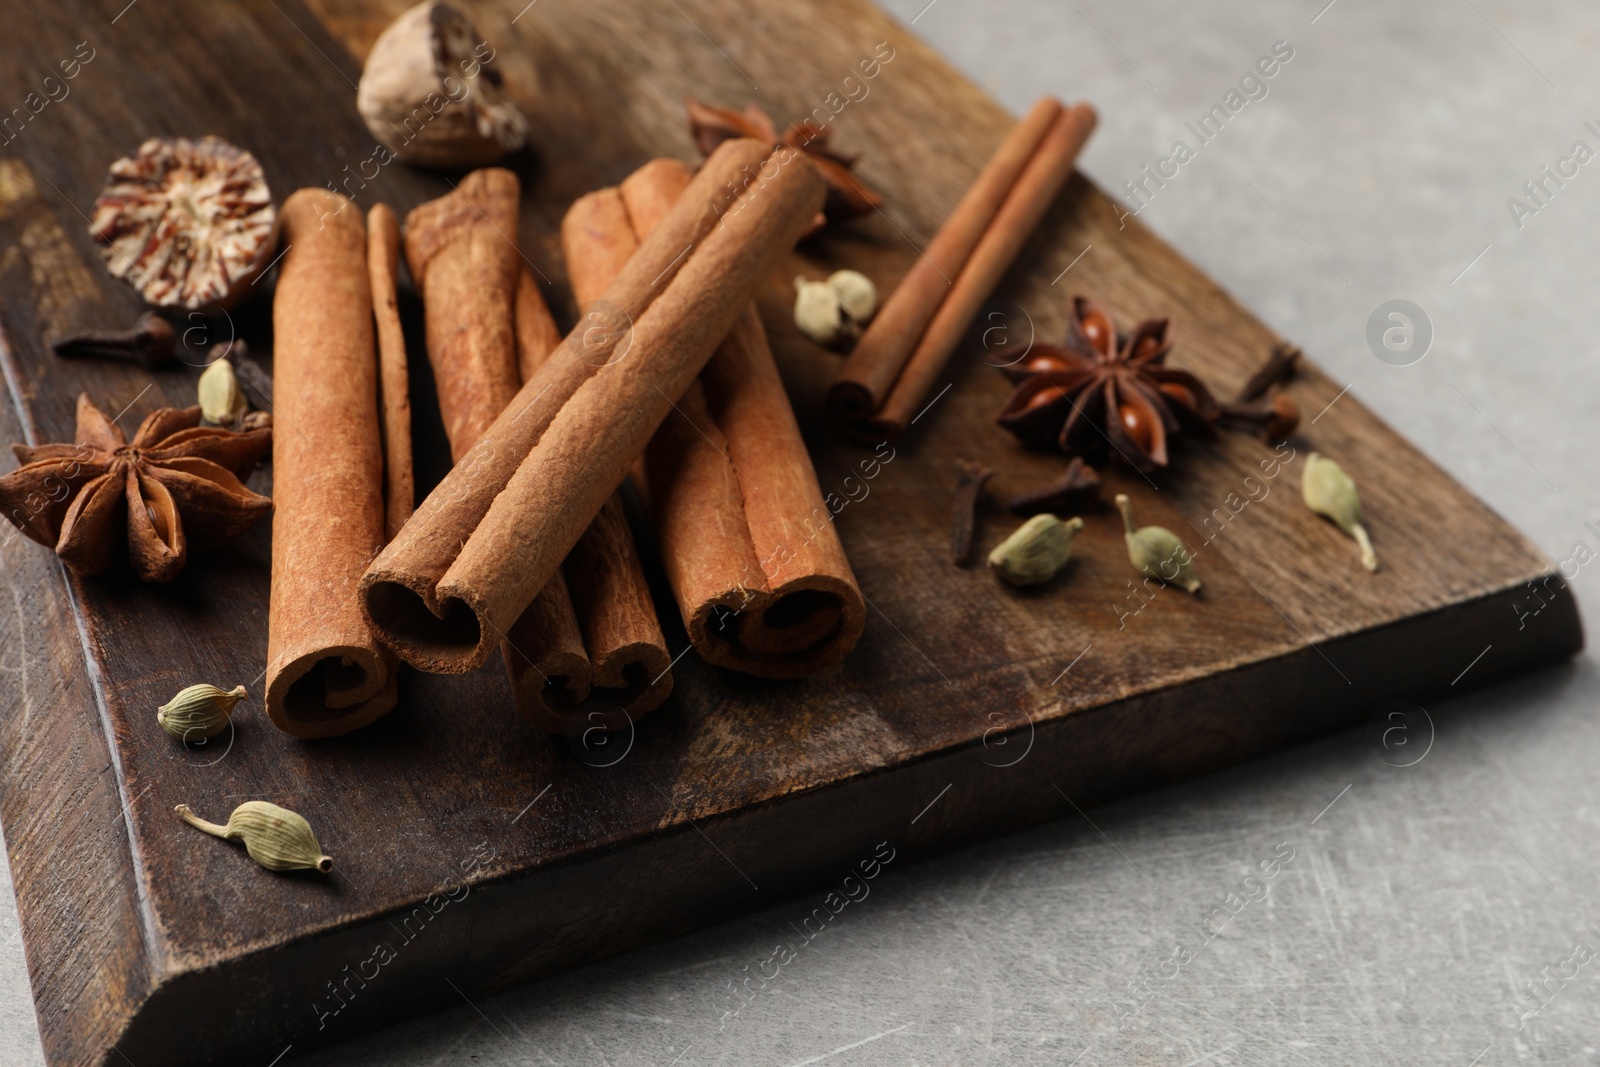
[(1418, 906)]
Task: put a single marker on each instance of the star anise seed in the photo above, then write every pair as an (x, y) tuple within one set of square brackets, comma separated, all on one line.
[(847, 195), (176, 484), (1105, 392)]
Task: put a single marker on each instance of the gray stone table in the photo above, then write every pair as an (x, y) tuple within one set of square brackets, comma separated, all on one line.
[(1412, 908)]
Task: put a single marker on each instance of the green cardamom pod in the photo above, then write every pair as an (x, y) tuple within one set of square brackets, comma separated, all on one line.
[(275, 837), (1035, 551), (199, 711), (1330, 492), (222, 402), (1157, 552)]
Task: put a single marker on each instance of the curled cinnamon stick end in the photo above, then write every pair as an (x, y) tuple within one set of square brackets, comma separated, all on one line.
[(394, 387), (1078, 485), (326, 673), (549, 667), (970, 480)]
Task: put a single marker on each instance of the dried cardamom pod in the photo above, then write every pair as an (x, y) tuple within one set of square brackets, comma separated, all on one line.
[(275, 837), (856, 294), (817, 312), (1157, 552), (222, 402), (1035, 551), (199, 711), (1330, 492)]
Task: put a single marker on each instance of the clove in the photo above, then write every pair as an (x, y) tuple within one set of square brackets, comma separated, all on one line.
[(253, 378), (150, 342), (1274, 420), (1077, 485), (970, 480), (1279, 368)]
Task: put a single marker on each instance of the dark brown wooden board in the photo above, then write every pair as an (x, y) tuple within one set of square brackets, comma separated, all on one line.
[(956, 718)]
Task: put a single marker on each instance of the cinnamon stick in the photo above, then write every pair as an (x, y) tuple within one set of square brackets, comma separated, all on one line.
[(761, 579), (456, 245), (1008, 231), (394, 386), (326, 673), (864, 381), (605, 582), (466, 270), (497, 527)]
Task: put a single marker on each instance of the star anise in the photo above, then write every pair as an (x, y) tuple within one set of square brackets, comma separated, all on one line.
[(1106, 392), (847, 196), (177, 484)]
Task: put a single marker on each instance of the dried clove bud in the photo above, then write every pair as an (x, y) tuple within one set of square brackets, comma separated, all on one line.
[(222, 403), (275, 837), (1077, 485), (1330, 492), (1035, 551), (1279, 368), (150, 342), (1274, 420), (1157, 552), (970, 480), (199, 711)]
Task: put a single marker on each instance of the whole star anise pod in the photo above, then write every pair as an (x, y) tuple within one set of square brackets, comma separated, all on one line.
[(847, 196), (175, 485), (1106, 392)]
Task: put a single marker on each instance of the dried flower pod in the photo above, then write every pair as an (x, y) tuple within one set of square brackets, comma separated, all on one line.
[(222, 402), (817, 312), (199, 711), (856, 294), (275, 837), (188, 223), (1035, 551), (1157, 552), (431, 93), (1330, 492)]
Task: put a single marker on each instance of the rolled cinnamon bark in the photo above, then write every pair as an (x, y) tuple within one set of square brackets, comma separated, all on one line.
[(749, 544), (394, 385), (605, 584), (326, 672), (466, 269), (867, 376), (542, 472), (1008, 231), (483, 320)]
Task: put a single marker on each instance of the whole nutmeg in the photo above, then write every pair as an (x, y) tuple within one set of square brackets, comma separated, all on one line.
[(431, 94), (857, 296)]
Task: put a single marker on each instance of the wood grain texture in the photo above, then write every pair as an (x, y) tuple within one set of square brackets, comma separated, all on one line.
[(481, 851)]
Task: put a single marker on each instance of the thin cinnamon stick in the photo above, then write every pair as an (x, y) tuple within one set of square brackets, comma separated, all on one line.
[(1008, 231), (865, 379), (605, 581), (477, 361), (754, 559), (394, 386), (326, 673), (497, 527)]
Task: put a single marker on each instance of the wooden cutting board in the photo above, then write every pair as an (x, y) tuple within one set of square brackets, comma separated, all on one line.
[(475, 852)]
